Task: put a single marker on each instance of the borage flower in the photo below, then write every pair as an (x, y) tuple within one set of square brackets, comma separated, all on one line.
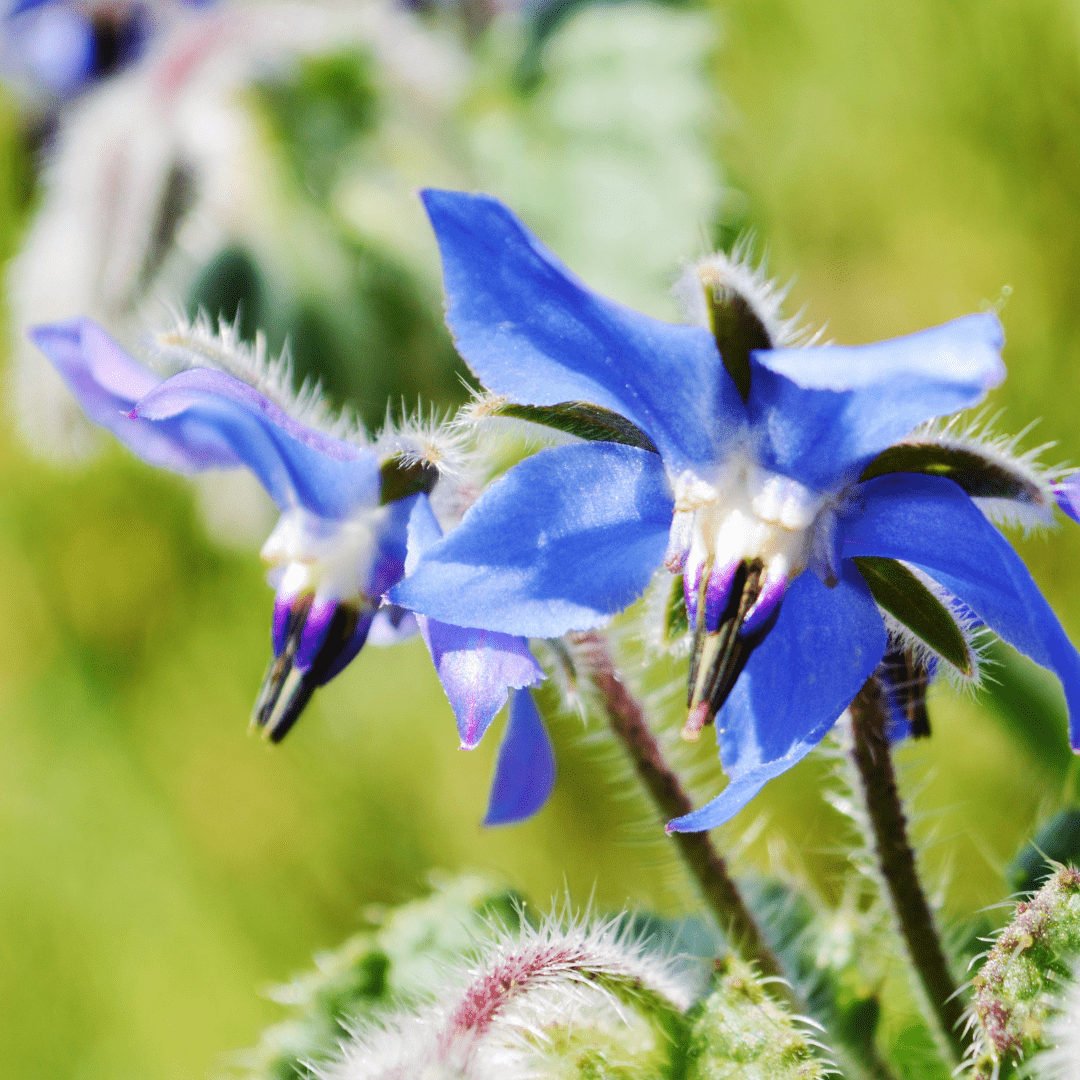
[(342, 539), (796, 490)]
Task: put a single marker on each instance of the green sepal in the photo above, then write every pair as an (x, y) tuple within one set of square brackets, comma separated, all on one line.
[(909, 601), (737, 330), (676, 618), (979, 476), (399, 480), (579, 418)]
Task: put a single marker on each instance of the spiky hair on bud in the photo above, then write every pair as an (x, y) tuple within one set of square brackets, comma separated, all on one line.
[(1023, 485), (744, 276), (529, 996), (202, 343), (1061, 1059), (1016, 991)]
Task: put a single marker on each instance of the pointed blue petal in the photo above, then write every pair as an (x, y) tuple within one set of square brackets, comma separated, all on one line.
[(525, 770), (823, 412), (564, 540), (477, 669), (107, 383), (797, 682), (531, 331), (931, 522), (296, 465)]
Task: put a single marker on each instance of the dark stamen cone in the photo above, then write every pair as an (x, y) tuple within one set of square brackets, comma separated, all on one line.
[(286, 689), (717, 657), (282, 664)]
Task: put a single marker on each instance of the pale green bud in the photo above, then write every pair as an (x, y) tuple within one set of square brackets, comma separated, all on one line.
[(744, 1033)]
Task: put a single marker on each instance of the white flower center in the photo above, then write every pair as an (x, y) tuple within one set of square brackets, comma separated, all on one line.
[(332, 559), (745, 514)]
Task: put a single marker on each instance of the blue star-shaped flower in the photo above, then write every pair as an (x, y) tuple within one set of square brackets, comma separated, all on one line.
[(761, 475), (349, 523)]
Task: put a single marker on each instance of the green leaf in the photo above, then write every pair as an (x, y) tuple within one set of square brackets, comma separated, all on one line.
[(400, 480), (579, 418), (676, 619), (909, 601), (977, 474)]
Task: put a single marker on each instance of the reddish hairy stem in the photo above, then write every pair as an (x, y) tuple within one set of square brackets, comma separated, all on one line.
[(704, 862)]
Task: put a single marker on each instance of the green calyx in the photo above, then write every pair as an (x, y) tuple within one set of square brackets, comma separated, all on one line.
[(676, 617), (580, 419), (400, 478), (910, 602), (737, 330), (980, 476)]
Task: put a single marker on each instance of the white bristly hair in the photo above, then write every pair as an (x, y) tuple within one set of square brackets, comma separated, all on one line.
[(496, 1018)]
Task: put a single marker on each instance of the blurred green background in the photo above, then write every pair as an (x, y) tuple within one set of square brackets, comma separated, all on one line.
[(157, 867)]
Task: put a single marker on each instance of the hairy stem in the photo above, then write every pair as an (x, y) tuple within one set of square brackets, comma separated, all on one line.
[(897, 860), (704, 862)]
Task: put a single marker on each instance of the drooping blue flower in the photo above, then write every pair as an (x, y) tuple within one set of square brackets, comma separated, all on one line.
[(792, 488), (341, 543)]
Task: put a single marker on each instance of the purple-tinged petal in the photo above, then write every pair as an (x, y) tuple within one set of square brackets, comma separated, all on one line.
[(531, 331), (564, 540), (1067, 496), (107, 383), (525, 770), (931, 522), (477, 669), (826, 643), (823, 412), (296, 465)]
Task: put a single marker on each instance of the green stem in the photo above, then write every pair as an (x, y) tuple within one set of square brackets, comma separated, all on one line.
[(897, 861)]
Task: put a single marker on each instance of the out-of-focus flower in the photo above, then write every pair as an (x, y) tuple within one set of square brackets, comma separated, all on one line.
[(167, 164), (342, 538), (56, 49), (739, 462)]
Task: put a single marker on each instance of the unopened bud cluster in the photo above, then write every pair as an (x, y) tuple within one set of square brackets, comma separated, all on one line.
[(1019, 985)]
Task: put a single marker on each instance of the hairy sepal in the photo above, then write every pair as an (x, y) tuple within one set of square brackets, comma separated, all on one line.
[(577, 419), (1009, 486), (900, 592)]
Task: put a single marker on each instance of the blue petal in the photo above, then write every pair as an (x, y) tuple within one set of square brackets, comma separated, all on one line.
[(931, 522), (564, 540), (821, 413), (107, 383), (797, 682), (530, 330), (477, 669), (525, 771), (296, 465)]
